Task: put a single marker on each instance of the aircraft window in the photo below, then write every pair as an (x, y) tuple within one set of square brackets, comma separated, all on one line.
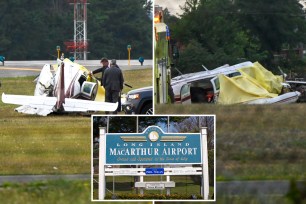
[(217, 83), (185, 89), (234, 74), (204, 83)]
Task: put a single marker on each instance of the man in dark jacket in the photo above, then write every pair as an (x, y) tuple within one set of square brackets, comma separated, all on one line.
[(113, 83), (104, 63)]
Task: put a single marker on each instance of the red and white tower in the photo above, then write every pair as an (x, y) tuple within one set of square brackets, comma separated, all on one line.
[(79, 44)]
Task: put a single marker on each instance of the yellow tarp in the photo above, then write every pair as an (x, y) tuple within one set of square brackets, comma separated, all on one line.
[(255, 82), (265, 78), (100, 93)]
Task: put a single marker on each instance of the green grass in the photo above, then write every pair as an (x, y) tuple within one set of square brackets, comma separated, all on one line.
[(52, 145), (249, 199), (137, 79), (254, 199), (255, 142), (41, 145), (56, 144), (57, 191)]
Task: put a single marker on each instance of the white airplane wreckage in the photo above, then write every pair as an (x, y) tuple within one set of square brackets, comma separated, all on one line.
[(69, 89), (244, 83)]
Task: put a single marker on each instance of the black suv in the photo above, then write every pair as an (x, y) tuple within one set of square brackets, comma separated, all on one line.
[(139, 101)]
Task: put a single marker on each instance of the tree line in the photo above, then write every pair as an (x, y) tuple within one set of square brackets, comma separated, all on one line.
[(218, 32), (31, 30)]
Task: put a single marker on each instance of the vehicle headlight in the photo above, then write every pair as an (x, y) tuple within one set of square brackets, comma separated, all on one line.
[(133, 96)]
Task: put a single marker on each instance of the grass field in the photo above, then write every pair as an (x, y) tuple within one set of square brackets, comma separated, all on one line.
[(252, 143), (58, 191), (255, 142), (56, 144)]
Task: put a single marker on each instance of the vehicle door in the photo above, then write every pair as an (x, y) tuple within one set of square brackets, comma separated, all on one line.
[(216, 87), (185, 94)]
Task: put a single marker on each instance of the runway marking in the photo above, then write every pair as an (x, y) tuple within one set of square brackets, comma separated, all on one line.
[(22, 69)]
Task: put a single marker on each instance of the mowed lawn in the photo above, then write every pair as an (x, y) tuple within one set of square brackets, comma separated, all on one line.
[(56, 144), (255, 142), (58, 191)]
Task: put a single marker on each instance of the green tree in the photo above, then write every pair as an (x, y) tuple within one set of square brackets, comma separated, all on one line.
[(112, 25), (211, 35), (274, 23), (192, 57), (31, 30), (220, 32), (169, 19)]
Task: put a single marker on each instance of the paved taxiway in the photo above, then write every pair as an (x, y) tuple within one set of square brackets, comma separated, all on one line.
[(33, 68)]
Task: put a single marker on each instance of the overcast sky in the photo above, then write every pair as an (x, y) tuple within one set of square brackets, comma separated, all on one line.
[(172, 5)]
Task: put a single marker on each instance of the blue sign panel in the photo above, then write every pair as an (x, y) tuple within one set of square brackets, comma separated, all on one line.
[(154, 170), (153, 146)]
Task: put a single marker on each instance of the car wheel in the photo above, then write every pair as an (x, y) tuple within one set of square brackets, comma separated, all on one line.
[(147, 110)]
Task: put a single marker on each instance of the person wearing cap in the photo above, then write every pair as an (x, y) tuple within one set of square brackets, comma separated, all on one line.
[(113, 83), (104, 63)]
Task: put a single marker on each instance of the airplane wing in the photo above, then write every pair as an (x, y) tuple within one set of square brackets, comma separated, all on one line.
[(33, 101), (78, 105), (31, 104), (47, 103)]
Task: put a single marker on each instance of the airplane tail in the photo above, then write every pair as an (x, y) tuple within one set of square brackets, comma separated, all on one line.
[(60, 95)]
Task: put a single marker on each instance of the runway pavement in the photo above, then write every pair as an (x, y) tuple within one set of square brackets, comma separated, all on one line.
[(33, 68)]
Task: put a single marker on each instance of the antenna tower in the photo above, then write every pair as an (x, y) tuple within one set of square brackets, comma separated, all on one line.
[(79, 44)]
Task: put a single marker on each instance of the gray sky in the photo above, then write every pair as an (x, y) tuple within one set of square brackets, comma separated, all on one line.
[(172, 5)]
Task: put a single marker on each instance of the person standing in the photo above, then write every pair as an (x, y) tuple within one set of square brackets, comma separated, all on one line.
[(113, 83), (104, 63)]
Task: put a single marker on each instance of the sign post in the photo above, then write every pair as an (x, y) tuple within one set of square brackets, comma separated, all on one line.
[(153, 147), (58, 48), (205, 176), (129, 47), (102, 164)]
